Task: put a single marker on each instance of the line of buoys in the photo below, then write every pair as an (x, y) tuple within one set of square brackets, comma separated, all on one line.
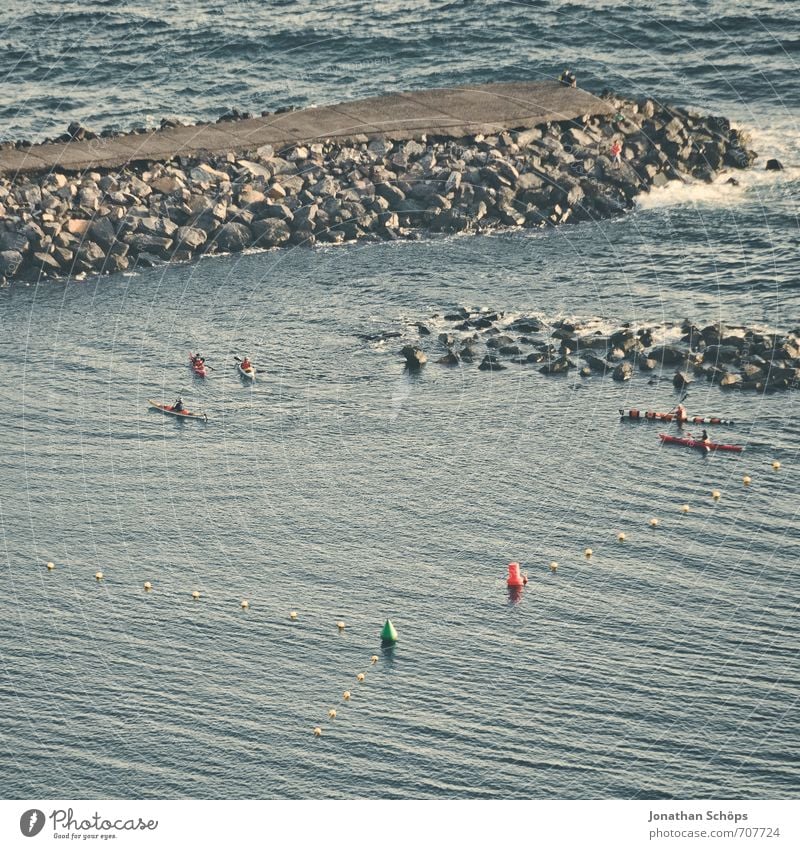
[(516, 580)]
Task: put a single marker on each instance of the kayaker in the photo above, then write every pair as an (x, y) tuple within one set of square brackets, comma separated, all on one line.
[(680, 414), (198, 360), (246, 364), (704, 437), (177, 407)]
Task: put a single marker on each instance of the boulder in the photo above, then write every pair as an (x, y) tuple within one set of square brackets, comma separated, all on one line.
[(233, 237), (730, 380), (145, 243), (271, 233), (190, 238), (624, 371), (491, 363), (558, 366), (668, 355), (681, 379), (10, 261), (90, 256), (101, 230), (415, 357), (11, 240)]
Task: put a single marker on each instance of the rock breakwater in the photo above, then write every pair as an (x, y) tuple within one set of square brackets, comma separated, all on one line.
[(100, 221), (731, 357)]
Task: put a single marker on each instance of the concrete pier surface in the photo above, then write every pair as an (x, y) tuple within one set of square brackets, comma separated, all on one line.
[(451, 112)]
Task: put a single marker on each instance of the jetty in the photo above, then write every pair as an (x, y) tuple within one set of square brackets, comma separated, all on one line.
[(452, 112), (470, 159)]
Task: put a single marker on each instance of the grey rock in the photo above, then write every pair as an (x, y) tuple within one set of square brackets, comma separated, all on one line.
[(145, 243), (101, 230), (271, 232), (10, 261), (624, 371), (233, 237), (191, 238), (90, 256), (415, 357)]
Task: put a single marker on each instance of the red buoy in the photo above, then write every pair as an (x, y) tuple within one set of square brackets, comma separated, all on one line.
[(515, 579)]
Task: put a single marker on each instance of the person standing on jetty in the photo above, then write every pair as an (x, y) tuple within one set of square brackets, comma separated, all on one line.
[(568, 79), (616, 152)]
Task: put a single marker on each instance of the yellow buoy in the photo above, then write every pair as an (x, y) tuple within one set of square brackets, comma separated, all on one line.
[(51, 566), (332, 713), (293, 615), (621, 536), (654, 522), (716, 495), (318, 732), (746, 480), (148, 586), (685, 508), (776, 465), (340, 626), (553, 565), (374, 658), (346, 695), (588, 552), (245, 604), (98, 576), (196, 595), (360, 676)]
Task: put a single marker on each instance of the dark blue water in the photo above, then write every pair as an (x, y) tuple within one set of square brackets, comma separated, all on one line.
[(343, 489)]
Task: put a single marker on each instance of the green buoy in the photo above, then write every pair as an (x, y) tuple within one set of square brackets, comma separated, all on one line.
[(388, 634)]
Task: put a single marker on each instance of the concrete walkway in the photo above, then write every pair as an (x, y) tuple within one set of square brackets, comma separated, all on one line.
[(451, 112)]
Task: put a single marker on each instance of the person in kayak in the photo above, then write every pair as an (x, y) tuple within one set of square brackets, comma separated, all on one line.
[(198, 360), (704, 437), (680, 414), (246, 364), (178, 407)]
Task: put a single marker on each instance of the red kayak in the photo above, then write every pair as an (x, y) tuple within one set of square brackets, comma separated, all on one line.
[(698, 443), (640, 415), (198, 367)]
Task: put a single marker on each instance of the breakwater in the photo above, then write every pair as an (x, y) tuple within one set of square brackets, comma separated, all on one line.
[(501, 156), (732, 357)]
